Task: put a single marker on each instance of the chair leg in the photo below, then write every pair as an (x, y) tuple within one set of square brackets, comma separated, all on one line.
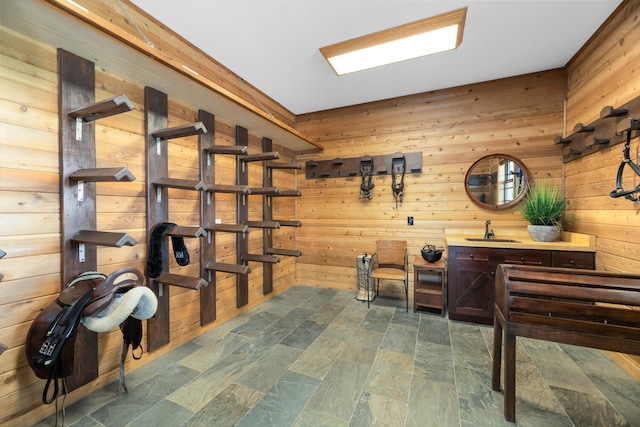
[(497, 354), (406, 294), (509, 377)]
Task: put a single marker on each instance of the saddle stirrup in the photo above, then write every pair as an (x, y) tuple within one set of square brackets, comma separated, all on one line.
[(619, 191)]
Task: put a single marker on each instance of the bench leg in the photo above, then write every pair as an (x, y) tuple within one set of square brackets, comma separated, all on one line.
[(510, 377), (497, 355)]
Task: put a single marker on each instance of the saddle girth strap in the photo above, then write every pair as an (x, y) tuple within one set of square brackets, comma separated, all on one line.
[(131, 336)]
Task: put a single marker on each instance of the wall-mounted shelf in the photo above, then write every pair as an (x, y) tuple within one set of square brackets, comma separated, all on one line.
[(103, 175), (158, 183), (78, 112), (181, 281), (231, 189), (98, 110), (103, 238), (343, 168), (259, 157), (602, 133), (183, 131)]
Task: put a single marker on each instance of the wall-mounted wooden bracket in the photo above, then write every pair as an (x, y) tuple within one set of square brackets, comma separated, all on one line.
[(287, 193), (572, 153), (182, 131), (580, 128), (258, 157), (285, 252), (181, 281), (108, 107), (594, 140), (79, 239), (269, 191), (629, 125), (609, 111), (274, 225), (289, 223), (561, 140), (604, 132), (104, 238), (342, 168), (281, 165), (228, 268), (262, 258), (230, 189), (229, 228), (226, 149)]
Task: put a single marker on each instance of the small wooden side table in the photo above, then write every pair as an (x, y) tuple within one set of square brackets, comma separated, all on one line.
[(429, 283)]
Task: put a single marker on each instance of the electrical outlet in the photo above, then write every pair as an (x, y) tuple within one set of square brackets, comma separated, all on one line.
[(409, 220), (218, 221)]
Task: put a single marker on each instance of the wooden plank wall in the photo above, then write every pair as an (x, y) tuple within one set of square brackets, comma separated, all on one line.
[(30, 215), (606, 72), (452, 128)]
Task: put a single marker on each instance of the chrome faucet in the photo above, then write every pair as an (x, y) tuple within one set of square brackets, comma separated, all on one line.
[(488, 234)]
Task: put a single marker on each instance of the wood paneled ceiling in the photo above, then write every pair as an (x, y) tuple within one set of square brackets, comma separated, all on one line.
[(274, 44)]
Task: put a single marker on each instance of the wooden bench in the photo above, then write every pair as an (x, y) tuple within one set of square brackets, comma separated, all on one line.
[(579, 307)]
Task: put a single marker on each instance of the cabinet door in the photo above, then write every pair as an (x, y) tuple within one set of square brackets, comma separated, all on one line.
[(471, 284), (523, 257), (567, 259)]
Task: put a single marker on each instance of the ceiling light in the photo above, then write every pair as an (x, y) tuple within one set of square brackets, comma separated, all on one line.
[(415, 39)]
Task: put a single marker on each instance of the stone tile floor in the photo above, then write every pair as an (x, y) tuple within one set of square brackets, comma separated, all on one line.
[(317, 357)]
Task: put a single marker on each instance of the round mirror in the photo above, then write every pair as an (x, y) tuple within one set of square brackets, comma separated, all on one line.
[(497, 181)]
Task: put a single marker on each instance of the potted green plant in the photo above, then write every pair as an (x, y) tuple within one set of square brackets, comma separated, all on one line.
[(543, 206)]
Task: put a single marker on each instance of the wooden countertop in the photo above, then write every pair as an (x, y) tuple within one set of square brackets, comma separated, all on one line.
[(521, 240)]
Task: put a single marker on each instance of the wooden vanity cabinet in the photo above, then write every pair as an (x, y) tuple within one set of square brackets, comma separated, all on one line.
[(471, 275)]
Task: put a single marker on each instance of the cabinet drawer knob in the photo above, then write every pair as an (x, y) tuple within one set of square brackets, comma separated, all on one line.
[(571, 261), (471, 256), (522, 258)]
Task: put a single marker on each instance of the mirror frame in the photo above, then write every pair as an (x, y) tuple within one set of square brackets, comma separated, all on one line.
[(506, 205)]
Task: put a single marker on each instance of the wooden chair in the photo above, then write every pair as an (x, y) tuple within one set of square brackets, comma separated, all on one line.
[(390, 263)]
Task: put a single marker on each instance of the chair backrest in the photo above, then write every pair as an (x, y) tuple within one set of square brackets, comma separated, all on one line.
[(391, 253)]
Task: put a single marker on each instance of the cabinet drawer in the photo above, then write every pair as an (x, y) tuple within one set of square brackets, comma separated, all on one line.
[(523, 257), (428, 299), (566, 259), (479, 255)]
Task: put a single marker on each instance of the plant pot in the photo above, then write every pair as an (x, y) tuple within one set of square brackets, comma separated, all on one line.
[(544, 233)]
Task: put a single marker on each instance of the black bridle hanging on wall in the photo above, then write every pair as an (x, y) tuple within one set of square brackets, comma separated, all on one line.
[(398, 167), (366, 171), (626, 160)]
